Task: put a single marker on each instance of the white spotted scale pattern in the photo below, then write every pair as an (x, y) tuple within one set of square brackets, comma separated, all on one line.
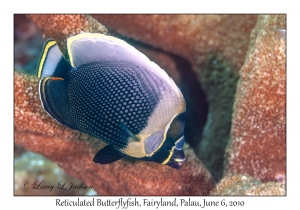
[(103, 94)]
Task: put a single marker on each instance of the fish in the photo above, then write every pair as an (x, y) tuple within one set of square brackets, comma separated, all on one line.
[(110, 90)]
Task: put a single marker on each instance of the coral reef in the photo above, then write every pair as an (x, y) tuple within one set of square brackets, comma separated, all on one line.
[(191, 36), (242, 184), (61, 27), (258, 141)]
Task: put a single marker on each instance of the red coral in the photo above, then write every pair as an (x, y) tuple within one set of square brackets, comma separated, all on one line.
[(259, 122)]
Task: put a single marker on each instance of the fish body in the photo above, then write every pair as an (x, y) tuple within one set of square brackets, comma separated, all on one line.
[(113, 92)]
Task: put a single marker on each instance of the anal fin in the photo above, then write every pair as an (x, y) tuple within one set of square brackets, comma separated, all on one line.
[(108, 155)]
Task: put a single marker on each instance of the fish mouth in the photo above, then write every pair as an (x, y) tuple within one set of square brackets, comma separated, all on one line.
[(177, 159)]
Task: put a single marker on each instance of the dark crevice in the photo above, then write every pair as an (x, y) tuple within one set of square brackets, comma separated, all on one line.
[(219, 80), (196, 102)]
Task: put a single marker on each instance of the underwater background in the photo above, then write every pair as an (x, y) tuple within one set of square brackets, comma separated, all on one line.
[(231, 70)]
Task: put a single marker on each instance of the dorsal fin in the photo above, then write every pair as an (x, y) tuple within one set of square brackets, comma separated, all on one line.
[(52, 62), (91, 47)]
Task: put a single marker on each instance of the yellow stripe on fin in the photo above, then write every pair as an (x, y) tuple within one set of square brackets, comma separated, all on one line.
[(47, 46), (169, 157)]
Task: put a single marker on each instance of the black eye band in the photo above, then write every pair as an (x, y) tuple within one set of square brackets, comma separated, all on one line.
[(176, 128)]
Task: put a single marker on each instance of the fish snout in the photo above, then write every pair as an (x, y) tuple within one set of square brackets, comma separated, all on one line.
[(177, 159)]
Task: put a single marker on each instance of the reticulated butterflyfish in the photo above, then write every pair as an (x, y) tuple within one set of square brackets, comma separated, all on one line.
[(113, 92)]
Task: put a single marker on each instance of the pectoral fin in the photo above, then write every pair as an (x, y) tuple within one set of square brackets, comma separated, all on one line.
[(130, 136)]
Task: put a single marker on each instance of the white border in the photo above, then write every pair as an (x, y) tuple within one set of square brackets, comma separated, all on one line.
[(112, 6)]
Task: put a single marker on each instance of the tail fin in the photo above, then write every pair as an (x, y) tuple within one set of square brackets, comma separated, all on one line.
[(52, 62)]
